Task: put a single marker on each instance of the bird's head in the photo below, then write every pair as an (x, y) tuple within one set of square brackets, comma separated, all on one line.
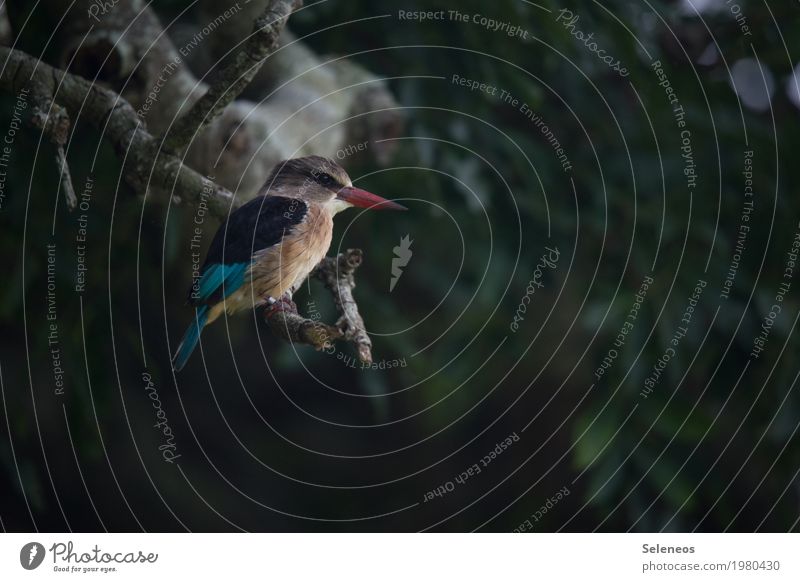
[(319, 180)]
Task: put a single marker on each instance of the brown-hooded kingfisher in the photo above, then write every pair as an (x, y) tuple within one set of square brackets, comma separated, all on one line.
[(268, 246)]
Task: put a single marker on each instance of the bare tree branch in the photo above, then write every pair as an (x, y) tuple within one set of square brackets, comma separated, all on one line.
[(294, 328), (104, 109), (228, 83), (337, 273)]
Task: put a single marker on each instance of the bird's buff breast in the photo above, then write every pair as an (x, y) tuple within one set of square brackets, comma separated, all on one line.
[(280, 268)]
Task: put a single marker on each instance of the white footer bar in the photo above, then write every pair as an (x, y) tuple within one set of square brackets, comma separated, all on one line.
[(400, 557)]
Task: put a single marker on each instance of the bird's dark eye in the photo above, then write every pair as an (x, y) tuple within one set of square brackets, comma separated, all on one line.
[(325, 179)]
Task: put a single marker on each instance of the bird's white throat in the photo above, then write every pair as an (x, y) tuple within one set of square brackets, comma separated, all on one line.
[(336, 205)]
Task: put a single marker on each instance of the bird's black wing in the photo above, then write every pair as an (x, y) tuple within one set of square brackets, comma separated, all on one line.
[(257, 225)]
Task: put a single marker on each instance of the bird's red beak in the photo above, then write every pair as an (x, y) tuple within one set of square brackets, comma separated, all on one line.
[(364, 199)]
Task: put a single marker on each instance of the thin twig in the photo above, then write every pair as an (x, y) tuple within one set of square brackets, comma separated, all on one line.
[(337, 273), (65, 178), (54, 122)]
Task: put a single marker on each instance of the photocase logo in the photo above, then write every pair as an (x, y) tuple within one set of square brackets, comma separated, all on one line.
[(402, 256), (31, 555)]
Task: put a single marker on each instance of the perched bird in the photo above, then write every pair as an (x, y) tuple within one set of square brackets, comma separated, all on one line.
[(269, 245)]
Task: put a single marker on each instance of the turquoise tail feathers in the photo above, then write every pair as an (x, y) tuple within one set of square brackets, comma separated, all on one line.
[(220, 281), (190, 338)]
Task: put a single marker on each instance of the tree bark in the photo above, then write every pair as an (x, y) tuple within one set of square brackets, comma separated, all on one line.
[(326, 108)]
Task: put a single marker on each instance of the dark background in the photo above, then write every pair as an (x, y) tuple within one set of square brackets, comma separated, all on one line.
[(275, 438)]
